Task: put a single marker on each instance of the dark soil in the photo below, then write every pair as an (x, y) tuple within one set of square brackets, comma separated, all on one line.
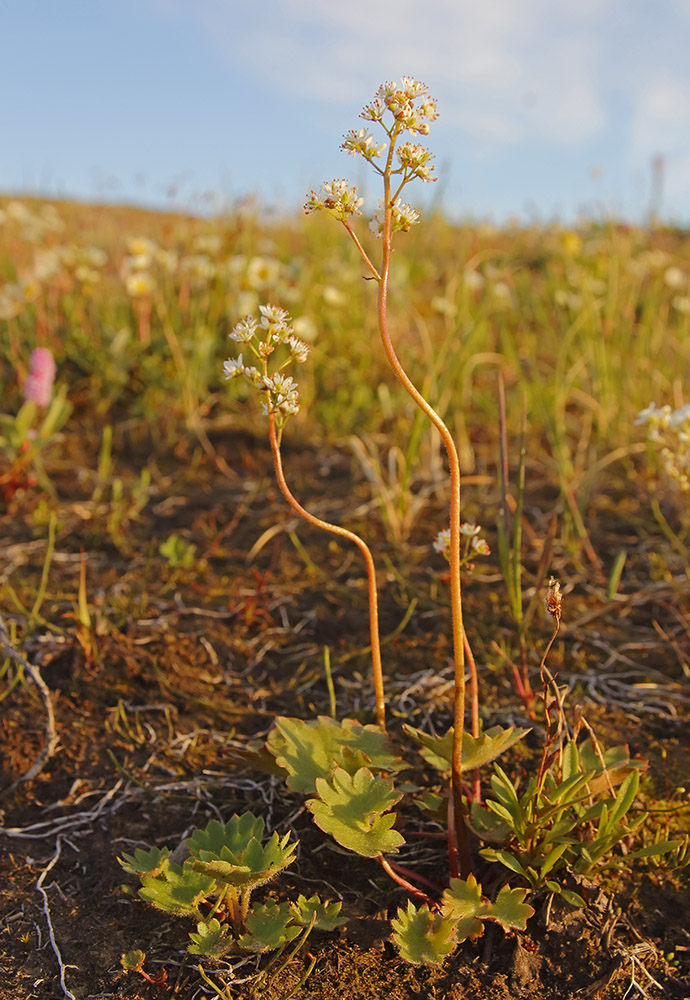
[(181, 665)]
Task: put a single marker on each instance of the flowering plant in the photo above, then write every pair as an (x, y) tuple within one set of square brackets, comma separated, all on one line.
[(25, 435)]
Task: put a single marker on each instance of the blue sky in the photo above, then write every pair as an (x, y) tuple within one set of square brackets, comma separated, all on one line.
[(547, 107)]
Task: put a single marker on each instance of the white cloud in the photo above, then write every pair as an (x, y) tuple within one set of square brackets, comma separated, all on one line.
[(481, 59)]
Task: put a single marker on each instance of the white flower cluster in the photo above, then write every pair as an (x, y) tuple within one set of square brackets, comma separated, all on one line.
[(262, 336), (338, 198), (403, 216), (412, 110), (473, 544), (670, 429), (400, 101)]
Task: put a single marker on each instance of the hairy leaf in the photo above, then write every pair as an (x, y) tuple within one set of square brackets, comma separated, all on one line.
[(351, 807), (151, 862), (308, 750), (437, 750), (177, 890), (233, 852), (212, 938), (510, 909), (269, 925), (463, 904), (324, 915), (423, 937)]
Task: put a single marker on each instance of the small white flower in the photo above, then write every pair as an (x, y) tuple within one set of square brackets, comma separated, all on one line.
[(442, 542), (233, 367), (298, 349), (339, 198), (470, 530), (245, 330)]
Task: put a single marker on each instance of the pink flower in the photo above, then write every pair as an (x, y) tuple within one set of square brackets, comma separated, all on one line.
[(39, 384)]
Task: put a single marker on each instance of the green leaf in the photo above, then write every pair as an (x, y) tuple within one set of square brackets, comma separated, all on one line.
[(487, 826), (571, 760), (437, 750), (232, 852), (133, 961), (662, 847), (510, 909), (269, 925), (552, 858), (213, 939), (423, 937), (142, 862), (308, 750), (625, 798), (572, 897), (463, 904), (504, 858), (351, 807), (324, 915), (177, 890)]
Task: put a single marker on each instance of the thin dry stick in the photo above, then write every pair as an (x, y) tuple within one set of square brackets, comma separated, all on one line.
[(336, 529), (52, 739), (51, 931)]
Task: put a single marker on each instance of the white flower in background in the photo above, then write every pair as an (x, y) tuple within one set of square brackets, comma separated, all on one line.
[(263, 272), (675, 278), (334, 296), (305, 328), (139, 283), (670, 431), (137, 245)]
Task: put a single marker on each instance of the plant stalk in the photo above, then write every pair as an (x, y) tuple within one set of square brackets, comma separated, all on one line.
[(336, 529)]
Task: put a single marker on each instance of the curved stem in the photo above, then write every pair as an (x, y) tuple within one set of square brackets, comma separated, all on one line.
[(335, 529), (454, 464), (412, 889)]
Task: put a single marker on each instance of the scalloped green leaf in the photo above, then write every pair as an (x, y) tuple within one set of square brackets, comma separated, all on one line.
[(269, 925), (233, 836), (232, 852), (133, 961), (437, 750), (462, 903), (351, 808), (145, 862), (177, 890), (423, 937), (324, 915), (211, 938), (510, 909), (312, 749)]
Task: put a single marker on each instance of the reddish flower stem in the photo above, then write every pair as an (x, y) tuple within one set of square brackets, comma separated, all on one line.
[(335, 529)]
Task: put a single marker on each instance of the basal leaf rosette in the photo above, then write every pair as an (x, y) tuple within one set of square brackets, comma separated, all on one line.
[(232, 852), (351, 809), (308, 750), (437, 750)]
